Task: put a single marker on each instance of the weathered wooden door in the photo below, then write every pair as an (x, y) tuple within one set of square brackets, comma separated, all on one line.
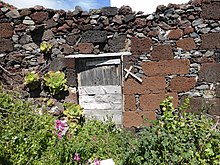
[(99, 87)]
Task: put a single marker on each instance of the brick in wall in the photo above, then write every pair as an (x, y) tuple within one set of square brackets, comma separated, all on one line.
[(209, 40), (182, 84), (129, 102), (140, 45), (186, 44), (211, 10), (136, 119), (175, 34), (210, 72), (152, 101), (8, 45), (149, 85), (166, 67), (6, 30), (162, 52), (210, 106)]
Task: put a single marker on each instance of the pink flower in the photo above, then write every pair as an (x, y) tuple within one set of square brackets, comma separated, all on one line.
[(60, 135), (58, 122), (77, 157), (97, 162)]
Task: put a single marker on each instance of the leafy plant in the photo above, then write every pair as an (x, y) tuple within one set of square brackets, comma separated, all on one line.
[(74, 115), (25, 135), (98, 140), (45, 48), (177, 138), (32, 80), (28, 137), (55, 81)]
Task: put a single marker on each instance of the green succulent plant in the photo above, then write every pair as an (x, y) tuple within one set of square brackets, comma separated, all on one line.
[(55, 81), (45, 48), (74, 114), (32, 80)]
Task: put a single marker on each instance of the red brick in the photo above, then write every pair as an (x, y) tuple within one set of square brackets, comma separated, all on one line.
[(162, 52), (186, 44), (152, 101), (6, 30), (129, 103), (182, 84), (140, 45), (137, 119), (211, 10), (149, 85), (86, 48), (210, 72), (209, 41), (166, 67), (175, 34), (188, 30)]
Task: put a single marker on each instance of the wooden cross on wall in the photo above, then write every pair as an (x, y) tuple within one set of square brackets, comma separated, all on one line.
[(128, 71)]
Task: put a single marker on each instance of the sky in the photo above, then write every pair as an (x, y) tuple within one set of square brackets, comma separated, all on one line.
[(148, 6), (60, 4)]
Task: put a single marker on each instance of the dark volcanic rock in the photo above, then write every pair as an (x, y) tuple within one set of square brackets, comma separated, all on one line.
[(210, 72), (109, 11), (128, 18), (116, 44), (72, 39), (125, 10), (94, 36), (39, 17)]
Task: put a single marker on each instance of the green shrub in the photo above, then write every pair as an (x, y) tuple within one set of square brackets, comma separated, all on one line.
[(55, 81), (32, 80), (25, 135), (177, 138), (101, 140), (28, 138)]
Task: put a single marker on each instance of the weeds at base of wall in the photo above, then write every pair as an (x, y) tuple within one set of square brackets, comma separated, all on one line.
[(177, 138)]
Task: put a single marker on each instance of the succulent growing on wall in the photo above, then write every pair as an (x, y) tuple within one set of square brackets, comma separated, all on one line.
[(74, 115), (55, 81), (32, 80), (46, 49)]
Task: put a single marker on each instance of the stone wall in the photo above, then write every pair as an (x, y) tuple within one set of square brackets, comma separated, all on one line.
[(175, 50)]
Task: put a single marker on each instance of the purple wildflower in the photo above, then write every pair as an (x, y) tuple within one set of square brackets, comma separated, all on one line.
[(60, 135), (77, 157), (97, 162), (60, 127)]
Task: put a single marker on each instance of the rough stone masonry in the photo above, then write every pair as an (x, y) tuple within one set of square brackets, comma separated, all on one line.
[(175, 50)]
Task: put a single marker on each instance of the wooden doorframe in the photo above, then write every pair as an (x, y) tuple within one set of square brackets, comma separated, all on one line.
[(119, 55)]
